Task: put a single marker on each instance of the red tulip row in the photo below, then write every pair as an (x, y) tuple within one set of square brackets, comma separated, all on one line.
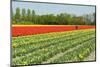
[(21, 30)]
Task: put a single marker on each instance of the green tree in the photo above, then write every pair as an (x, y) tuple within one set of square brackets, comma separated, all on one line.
[(33, 17), (94, 20), (23, 14), (62, 19), (28, 15), (17, 15), (13, 18)]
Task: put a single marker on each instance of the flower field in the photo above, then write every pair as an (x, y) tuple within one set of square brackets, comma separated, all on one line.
[(51, 33), (53, 47), (22, 30)]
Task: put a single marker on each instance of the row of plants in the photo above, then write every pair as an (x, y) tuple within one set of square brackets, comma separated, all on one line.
[(78, 54), (27, 55), (20, 41), (44, 44), (39, 37)]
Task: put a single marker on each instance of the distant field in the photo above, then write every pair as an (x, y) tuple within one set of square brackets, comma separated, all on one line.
[(22, 30), (54, 47)]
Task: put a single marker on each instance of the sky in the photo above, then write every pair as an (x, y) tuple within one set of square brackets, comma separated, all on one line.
[(44, 8)]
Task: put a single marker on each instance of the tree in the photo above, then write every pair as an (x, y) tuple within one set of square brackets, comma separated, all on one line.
[(62, 19), (28, 15), (13, 18), (94, 19), (17, 15), (23, 14), (33, 17), (51, 19)]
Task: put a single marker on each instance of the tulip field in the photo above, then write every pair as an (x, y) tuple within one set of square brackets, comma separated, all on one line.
[(52, 33), (54, 47), (23, 30)]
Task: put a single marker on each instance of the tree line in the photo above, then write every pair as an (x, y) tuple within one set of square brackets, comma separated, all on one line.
[(30, 17)]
